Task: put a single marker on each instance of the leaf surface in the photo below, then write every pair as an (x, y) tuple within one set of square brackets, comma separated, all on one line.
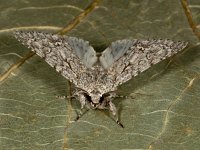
[(162, 108)]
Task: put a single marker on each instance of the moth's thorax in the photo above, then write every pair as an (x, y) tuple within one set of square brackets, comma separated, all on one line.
[(95, 78)]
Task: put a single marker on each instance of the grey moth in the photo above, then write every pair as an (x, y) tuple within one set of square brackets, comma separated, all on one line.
[(96, 77)]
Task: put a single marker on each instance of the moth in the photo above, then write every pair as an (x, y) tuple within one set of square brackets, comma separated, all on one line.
[(97, 76)]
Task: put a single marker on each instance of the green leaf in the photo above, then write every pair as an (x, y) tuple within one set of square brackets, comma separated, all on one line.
[(162, 108)]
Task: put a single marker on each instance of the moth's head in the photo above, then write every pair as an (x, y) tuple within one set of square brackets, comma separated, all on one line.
[(96, 98)]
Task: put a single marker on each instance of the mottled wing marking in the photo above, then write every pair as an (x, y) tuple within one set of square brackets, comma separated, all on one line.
[(138, 57), (61, 53), (96, 80), (76, 60)]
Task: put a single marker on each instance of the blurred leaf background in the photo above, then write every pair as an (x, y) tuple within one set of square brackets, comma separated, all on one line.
[(163, 110)]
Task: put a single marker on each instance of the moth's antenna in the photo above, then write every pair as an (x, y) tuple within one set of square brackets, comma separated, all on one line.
[(64, 97), (125, 96)]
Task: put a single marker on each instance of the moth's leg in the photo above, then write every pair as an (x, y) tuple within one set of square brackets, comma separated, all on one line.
[(113, 110), (82, 99)]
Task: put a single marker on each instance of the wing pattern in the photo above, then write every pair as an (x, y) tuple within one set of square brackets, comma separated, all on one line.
[(138, 57), (61, 53), (76, 60)]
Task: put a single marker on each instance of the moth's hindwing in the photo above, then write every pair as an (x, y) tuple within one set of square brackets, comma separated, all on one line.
[(114, 51), (83, 50)]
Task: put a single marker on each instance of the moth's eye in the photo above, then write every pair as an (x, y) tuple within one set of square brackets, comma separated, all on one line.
[(88, 97), (101, 99)]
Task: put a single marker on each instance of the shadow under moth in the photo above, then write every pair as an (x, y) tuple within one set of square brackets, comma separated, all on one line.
[(96, 77)]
